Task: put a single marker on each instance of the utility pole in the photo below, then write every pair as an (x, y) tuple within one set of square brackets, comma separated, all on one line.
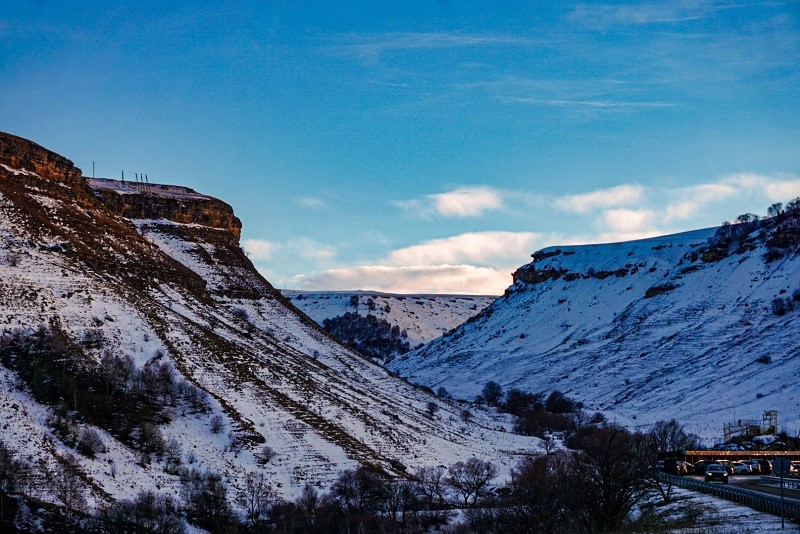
[(93, 170)]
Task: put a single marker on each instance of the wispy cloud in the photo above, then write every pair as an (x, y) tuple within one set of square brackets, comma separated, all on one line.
[(301, 248), (259, 249), (777, 188), (461, 202), (310, 202), (602, 104), (369, 47), (642, 13), (621, 195)]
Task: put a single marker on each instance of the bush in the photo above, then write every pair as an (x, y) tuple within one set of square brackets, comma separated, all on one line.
[(90, 443), (492, 393), (557, 402), (518, 401), (779, 307), (217, 424)]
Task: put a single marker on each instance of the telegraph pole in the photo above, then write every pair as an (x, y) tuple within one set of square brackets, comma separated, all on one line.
[(93, 170)]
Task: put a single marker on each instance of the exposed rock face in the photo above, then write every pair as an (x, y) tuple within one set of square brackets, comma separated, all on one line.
[(19, 153), (174, 203)]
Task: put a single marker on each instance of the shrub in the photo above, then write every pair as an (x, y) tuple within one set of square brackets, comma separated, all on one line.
[(764, 358), (779, 307), (217, 424), (431, 408), (557, 402), (492, 393), (90, 443)]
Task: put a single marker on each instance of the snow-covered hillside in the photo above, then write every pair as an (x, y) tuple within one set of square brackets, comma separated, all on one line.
[(423, 317), (667, 327), (121, 271)]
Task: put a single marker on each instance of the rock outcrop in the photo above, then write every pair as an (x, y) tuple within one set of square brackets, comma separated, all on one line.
[(19, 153), (174, 203)]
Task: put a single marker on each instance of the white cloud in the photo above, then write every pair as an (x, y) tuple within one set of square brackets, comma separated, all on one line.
[(688, 201), (453, 279), (481, 262), (302, 247), (461, 202), (466, 263), (629, 221), (259, 249), (478, 247), (642, 13), (621, 195), (467, 202), (310, 202)]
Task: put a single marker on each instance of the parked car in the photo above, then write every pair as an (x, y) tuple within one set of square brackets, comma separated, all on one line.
[(727, 464), (716, 472), (687, 467), (741, 468), (766, 466), (755, 467)]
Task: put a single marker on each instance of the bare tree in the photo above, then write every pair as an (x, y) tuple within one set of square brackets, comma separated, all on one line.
[(433, 485), (471, 479), (216, 424), (664, 437), (255, 498), (401, 505), (68, 487), (607, 477)]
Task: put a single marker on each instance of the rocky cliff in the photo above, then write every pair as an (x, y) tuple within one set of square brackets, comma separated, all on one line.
[(173, 203), (23, 155)]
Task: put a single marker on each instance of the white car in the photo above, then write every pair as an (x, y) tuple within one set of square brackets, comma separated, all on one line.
[(741, 468), (755, 467)]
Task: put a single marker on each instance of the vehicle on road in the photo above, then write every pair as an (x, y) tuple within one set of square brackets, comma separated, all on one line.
[(717, 472), (700, 467), (727, 464)]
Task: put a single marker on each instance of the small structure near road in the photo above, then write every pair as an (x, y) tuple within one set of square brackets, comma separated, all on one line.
[(751, 427)]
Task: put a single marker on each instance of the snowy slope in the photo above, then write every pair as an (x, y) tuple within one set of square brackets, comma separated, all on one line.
[(185, 290), (423, 317), (644, 330)]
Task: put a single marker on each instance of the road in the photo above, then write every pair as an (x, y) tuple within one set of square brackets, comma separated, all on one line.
[(751, 482)]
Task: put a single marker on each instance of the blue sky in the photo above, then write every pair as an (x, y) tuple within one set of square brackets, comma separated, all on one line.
[(427, 146)]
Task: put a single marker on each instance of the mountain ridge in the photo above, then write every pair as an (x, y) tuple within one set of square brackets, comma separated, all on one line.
[(183, 294), (636, 329)]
